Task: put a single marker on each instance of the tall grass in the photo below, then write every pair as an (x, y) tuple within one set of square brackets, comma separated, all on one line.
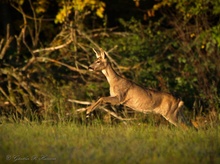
[(72, 143)]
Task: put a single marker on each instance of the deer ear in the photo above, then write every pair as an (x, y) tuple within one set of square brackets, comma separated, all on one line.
[(97, 55), (103, 54)]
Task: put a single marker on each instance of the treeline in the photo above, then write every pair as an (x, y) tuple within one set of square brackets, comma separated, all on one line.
[(45, 48)]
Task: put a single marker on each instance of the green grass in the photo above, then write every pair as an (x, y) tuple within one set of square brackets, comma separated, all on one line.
[(72, 143)]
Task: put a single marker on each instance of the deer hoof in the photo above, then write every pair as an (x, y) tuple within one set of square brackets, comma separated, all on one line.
[(87, 115)]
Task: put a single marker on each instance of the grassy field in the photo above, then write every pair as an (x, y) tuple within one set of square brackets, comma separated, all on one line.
[(122, 143)]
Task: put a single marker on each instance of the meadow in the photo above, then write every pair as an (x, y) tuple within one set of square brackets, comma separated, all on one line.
[(101, 143)]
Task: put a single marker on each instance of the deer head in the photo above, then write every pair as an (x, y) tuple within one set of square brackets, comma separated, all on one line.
[(100, 63)]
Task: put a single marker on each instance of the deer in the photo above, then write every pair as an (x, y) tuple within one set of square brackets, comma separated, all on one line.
[(127, 93)]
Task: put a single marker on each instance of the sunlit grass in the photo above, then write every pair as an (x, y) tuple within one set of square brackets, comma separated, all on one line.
[(72, 143)]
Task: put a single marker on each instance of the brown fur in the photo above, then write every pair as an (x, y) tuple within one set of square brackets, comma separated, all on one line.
[(125, 92)]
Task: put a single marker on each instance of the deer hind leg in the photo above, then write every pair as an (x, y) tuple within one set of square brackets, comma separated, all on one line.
[(175, 115), (178, 119), (178, 116), (171, 120), (185, 123)]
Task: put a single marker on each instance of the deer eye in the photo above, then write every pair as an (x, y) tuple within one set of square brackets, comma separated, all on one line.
[(98, 61)]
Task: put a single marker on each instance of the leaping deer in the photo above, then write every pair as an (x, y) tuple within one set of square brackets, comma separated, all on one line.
[(125, 92)]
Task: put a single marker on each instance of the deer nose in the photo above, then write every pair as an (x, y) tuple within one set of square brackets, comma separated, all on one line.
[(90, 68)]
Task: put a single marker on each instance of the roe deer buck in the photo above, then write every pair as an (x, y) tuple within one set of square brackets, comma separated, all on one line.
[(125, 92)]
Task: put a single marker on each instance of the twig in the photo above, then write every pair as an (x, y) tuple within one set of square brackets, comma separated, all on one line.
[(30, 17), (7, 43), (80, 102), (22, 83), (116, 116), (37, 27), (29, 63), (89, 39), (52, 48), (18, 109), (23, 31), (110, 58), (43, 59), (80, 110), (18, 41)]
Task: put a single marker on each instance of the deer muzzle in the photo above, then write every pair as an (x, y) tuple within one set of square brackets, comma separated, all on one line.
[(90, 68)]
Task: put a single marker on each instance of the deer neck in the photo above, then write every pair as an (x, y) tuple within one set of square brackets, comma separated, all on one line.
[(110, 74)]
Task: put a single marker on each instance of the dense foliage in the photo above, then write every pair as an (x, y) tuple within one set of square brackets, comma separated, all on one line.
[(46, 46)]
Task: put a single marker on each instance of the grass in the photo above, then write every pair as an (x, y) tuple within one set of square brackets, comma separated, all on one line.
[(72, 143)]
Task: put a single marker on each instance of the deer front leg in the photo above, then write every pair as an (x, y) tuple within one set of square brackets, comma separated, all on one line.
[(102, 100)]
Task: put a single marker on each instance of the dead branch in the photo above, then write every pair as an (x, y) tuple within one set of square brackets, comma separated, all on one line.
[(88, 38), (8, 40), (23, 35), (22, 83), (37, 27), (80, 102), (52, 48), (110, 58), (80, 110), (33, 59), (18, 41), (44, 59), (115, 115), (18, 109)]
